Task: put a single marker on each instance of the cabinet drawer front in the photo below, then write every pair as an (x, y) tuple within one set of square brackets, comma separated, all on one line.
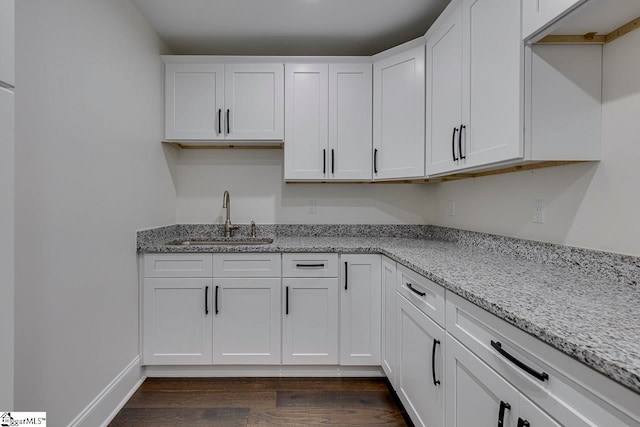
[(178, 265), (310, 265), (570, 392), (246, 265), (422, 292)]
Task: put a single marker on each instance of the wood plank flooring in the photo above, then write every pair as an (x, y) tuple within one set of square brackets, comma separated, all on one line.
[(262, 402)]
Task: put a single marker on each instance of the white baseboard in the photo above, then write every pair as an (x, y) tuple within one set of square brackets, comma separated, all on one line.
[(264, 371), (108, 403)]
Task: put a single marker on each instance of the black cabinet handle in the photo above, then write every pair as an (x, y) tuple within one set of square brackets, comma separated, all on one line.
[(414, 290), (206, 300), (333, 161), (228, 127), (503, 406), (286, 293), (523, 423), (324, 161), (375, 160), (217, 299), (346, 272), (462, 156), (309, 265), (453, 144), (219, 121), (433, 362), (542, 376)]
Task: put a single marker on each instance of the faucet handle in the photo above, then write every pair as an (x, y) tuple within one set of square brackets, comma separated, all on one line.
[(253, 229)]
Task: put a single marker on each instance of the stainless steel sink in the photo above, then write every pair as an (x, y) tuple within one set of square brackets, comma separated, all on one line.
[(221, 241)]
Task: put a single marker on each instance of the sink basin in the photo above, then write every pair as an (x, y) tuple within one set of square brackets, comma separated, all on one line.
[(221, 241)]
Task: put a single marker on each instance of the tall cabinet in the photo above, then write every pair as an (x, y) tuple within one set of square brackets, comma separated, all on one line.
[(398, 115), (475, 86), (328, 121), (7, 179)]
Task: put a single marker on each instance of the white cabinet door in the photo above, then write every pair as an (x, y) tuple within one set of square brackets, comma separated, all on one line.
[(444, 95), (536, 417), (177, 321), (475, 394), (306, 121), (492, 82), (420, 380), (194, 101), (246, 326), (389, 330), (398, 115), (310, 325), (360, 310), (350, 116), (537, 14), (7, 42), (254, 101)]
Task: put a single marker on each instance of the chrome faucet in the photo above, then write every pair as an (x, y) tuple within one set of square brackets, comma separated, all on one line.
[(228, 227)]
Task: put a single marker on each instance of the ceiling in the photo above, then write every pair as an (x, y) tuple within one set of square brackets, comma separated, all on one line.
[(288, 27)]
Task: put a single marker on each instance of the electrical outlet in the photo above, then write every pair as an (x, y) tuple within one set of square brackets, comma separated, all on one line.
[(538, 212), (452, 208), (311, 206)]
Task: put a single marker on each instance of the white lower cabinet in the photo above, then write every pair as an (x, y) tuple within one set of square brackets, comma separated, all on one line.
[(389, 319), (177, 321), (360, 304), (310, 325), (420, 366), (246, 326)]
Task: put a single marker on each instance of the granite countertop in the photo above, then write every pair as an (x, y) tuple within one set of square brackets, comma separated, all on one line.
[(588, 316)]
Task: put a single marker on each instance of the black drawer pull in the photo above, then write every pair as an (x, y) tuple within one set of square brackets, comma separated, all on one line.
[(228, 127), (433, 362), (415, 291), (462, 156), (346, 273), (309, 265), (324, 161), (219, 121), (542, 376), (375, 160), (217, 299), (523, 423), (206, 300), (503, 406), (286, 301), (333, 161), (453, 144)]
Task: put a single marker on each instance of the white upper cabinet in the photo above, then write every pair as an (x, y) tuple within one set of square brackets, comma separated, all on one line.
[(537, 14), (216, 101), (444, 86), (398, 115), (254, 101), (492, 82), (306, 123), (328, 121), (7, 42), (350, 117)]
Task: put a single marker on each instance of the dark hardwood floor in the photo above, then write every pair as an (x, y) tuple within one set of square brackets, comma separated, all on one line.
[(262, 402)]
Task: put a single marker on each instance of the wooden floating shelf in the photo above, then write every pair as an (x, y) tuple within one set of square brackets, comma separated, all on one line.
[(592, 38), (455, 177), (185, 146)]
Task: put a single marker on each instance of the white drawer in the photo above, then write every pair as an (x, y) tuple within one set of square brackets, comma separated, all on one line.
[(563, 387), (423, 293), (178, 265), (247, 265), (310, 265)]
